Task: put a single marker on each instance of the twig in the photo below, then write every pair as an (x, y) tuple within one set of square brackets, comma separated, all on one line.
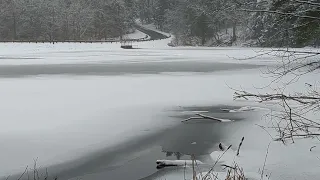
[(262, 127), (312, 148), (194, 176), (23, 173), (46, 177), (265, 160), (28, 174), (270, 97), (211, 169), (35, 171), (298, 135), (238, 151), (184, 171), (297, 52)]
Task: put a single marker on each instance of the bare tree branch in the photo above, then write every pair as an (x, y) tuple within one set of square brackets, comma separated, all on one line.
[(23, 173), (308, 2), (281, 13)]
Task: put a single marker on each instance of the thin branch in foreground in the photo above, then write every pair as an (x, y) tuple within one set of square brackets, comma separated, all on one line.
[(264, 128), (235, 173), (298, 135), (312, 148), (211, 169), (296, 52), (265, 160), (238, 151), (23, 173), (270, 97)]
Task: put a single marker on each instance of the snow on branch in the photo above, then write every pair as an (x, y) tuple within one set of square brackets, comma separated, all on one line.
[(271, 97), (291, 122), (280, 13)]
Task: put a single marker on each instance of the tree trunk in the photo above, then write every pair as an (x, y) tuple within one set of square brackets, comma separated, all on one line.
[(14, 26), (67, 28), (203, 40), (234, 31), (203, 36), (52, 25)]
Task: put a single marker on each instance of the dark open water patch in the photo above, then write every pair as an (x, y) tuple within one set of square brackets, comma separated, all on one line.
[(136, 159), (104, 69)]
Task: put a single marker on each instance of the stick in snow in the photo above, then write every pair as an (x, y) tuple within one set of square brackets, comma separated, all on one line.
[(238, 151), (312, 147)]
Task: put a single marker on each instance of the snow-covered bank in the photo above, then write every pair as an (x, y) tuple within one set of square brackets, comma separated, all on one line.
[(154, 51), (71, 53)]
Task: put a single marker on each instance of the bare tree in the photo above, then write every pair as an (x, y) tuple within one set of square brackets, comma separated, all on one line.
[(293, 120)]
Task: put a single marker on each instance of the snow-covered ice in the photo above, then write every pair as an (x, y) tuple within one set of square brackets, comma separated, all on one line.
[(60, 118), (154, 51), (52, 117)]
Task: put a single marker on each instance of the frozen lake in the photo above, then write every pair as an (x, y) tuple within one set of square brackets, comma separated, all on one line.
[(93, 111), (77, 113), (107, 69)]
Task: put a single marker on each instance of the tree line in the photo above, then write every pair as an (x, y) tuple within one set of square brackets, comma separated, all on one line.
[(58, 20), (281, 23)]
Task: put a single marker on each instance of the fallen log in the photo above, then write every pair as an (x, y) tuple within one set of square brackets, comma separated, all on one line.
[(169, 163), (201, 116)]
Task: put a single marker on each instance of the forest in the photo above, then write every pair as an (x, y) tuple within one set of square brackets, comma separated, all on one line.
[(266, 23)]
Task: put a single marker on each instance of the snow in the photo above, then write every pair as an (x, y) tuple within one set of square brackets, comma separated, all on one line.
[(245, 108), (291, 161), (60, 118), (154, 51), (223, 175)]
